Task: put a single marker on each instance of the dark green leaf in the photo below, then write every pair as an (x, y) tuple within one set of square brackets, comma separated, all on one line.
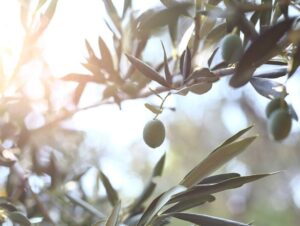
[(19, 218), (274, 73), (147, 71), (158, 169), (268, 88), (166, 66), (112, 195), (205, 220), (265, 17), (257, 51), (185, 63), (218, 178), (200, 190), (185, 205), (210, 59)]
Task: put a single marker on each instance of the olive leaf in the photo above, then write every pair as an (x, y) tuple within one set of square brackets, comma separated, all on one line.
[(214, 35), (215, 160), (106, 56), (268, 88), (166, 66), (113, 219), (186, 62), (112, 194), (147, 70), (188, 204), (274, 73), (208, 189), (88, 207), (156, 18), (113, 14), (149, 188), (157, 204), (205, 220), (19, 218), (257, 51), (218, 178)]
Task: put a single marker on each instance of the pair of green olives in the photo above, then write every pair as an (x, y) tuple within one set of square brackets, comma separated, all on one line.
[(231, 48), (279, 119), (154, 133)]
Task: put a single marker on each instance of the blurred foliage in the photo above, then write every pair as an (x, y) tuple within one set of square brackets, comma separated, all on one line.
[(44, 183)]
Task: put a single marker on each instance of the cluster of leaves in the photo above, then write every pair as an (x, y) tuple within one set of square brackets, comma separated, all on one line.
[(270, 37), (196, 188)]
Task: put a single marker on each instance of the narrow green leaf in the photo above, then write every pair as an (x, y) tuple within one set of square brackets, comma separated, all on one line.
[(216, 34), (112, 194), (257, 51), (205, 220), (185, 205), (113, 219), (158, 169), (166, 66), (113, 14), (185, 63), (210, 59), (106, 56), (198, 88), (78, 93), (215, 160), (89, 49), (208, 189), (149, 188), (268, 88), (157, 204), (218, 178), (19, 218), (274, 73), (236, 136), (147, 70), (88, 207)]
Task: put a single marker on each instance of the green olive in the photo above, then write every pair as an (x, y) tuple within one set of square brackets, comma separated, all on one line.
[(277, 103), (154, 133), (280, 124), (231, 48)]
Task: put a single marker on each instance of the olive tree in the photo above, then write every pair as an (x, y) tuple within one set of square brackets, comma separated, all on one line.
[(236, 39)]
